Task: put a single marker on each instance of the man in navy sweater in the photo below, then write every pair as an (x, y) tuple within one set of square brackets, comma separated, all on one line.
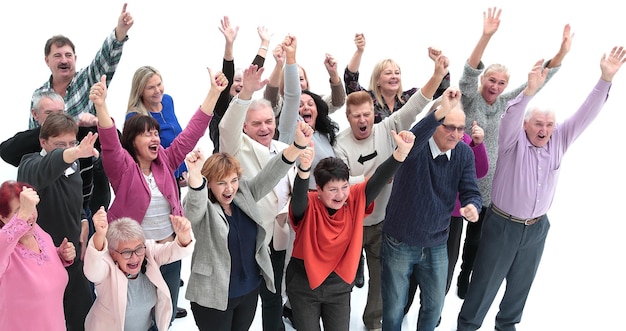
[(418, 213)]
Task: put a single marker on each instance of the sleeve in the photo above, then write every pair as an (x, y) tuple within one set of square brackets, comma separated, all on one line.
[(291, 105), (106, 60), (406, 115), (195, 204), (480, 158), (379, 179), (13, 149), (228, 69), (351, 80), (231, 127), (337, 97), (299, 199), (95, 267), (10, 234)]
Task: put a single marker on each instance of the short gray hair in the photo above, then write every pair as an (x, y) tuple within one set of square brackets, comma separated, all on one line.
[(124, 229), (49, 94), (530, 111)]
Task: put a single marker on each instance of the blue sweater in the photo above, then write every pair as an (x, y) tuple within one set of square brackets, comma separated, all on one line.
[(424, 190)]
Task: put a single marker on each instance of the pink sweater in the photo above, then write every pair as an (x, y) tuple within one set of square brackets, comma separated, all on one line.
[(31, 284)]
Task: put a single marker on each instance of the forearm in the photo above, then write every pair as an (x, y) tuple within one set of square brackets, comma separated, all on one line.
[(208, 105), (355, 61), (299, 198), (478, 51), (338, 94), (104, 119), (379, 179)]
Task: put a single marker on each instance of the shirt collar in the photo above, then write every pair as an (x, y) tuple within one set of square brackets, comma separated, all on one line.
[(435, 151)]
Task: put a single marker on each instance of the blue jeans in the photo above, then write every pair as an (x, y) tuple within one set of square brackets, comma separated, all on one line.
[(429, 266), (171, 275)]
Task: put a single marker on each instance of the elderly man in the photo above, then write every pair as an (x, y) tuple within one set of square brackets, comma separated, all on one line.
[(530, 145), (253, 148), (363, 147), (417, 218)]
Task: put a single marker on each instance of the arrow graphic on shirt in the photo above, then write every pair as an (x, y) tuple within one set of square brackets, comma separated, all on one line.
[(362, 159)]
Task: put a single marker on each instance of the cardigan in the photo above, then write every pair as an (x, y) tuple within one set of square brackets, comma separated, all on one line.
[(109, 310), (210, 264), (132, 192)]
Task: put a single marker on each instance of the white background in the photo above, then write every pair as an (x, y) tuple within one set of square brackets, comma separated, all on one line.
[(579, 284)]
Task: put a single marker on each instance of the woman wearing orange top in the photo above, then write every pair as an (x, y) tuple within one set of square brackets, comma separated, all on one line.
[(329, 234)]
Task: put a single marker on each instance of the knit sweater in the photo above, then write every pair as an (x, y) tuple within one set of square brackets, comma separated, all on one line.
[(487, 116), (424, 191)]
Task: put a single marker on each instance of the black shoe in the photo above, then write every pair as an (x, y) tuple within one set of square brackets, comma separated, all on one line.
[(180, 312), (182, 283), (288, 314), (359, 281)]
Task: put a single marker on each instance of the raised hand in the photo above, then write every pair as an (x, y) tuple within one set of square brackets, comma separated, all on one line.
[(252, 82), (67, 251), (229, 31), (306, 158), (477, 133), (100, 223), (124, 23), (359, 41), (449, 100), (28, 205), (491, 21), (441, 65), (218, 81), (330, 63), (279, 55), (264, 34), (182, 228), (404, 140), (434, 53), (536, 78), (289, 45), (194, 161), (566, 42), (98, 92), (304, 134), (611, 64)]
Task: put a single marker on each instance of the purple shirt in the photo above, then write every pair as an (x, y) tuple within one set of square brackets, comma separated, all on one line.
[(481, 162), (525, 178)]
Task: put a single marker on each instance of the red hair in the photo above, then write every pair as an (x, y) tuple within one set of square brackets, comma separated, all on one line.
[(10, 190)]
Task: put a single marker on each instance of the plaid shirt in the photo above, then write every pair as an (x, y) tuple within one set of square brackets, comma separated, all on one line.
[(77, 93)]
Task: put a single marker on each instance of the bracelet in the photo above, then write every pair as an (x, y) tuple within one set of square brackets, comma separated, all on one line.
[(295, 144), (304, 170), (263, 47)]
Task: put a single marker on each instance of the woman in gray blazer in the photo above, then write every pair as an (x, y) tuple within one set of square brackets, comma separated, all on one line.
[(230, 255)]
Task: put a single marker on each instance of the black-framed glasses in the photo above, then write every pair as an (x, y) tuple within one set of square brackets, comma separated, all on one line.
[(452, 128), (139, 251), (71, 144)]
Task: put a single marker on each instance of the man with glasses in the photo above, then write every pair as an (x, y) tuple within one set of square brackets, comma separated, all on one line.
[(417, 218), (55, 173)]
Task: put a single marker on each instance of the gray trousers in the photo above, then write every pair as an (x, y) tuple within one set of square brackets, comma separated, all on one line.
[(507, 250)]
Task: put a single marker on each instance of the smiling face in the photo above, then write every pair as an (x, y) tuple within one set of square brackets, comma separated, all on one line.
[(224, 189), (132, 266), (334, 193), (389, 79), (152, 94), (361, 119), (539, 127), (237, 83), (62, 62), (308, 109), (492, 85), (147, 146), (260, 124)]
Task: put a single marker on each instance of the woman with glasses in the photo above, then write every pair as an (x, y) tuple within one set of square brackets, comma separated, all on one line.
[(124, 266)]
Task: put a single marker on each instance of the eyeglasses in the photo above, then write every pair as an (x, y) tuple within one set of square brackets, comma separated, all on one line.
[(66, 145), (139, 251), (452, 128)]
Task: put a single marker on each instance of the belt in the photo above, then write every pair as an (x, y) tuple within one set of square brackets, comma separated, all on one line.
[(527, 221)]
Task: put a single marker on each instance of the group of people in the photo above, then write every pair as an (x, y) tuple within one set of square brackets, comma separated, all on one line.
[(285, 207)]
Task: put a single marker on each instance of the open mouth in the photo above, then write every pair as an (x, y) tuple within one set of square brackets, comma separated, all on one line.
[(307, 118), (363, 128), (154, 148), (132, 266)]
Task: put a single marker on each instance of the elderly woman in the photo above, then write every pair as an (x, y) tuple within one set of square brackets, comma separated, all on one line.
[(141, 170), (329, 233), (232, 254), (28, 255), (124, 266)]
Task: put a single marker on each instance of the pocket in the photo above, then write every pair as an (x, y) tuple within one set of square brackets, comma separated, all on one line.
[(204, 269)]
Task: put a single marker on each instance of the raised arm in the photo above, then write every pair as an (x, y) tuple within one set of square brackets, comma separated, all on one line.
[(124, 23), (265, 36), (566, 44), (441, 70), (272, 90), (218, 85), (337, 91), (300, 199), (610, 64), (355, 61), (491, 22)]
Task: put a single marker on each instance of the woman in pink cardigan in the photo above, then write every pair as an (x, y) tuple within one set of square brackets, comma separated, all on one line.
[(141, 171), (28, 256), (124, 266)]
